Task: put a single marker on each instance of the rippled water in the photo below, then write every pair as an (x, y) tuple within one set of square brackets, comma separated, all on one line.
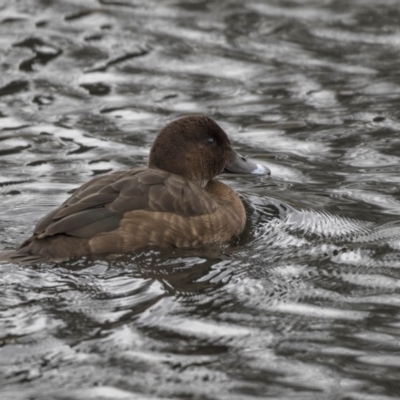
[(306, 304)]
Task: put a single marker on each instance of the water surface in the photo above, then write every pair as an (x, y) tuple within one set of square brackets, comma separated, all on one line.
[(306, 304)]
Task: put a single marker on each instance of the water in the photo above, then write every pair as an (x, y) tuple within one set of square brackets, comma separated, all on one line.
[(306, 304)]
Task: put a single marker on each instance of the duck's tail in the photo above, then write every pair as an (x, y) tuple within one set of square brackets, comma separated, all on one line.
[(18, 257)]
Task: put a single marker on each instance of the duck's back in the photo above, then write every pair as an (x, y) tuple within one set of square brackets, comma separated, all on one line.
[(126, 211)]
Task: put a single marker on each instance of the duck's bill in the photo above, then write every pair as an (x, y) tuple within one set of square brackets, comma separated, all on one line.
[(240, 165)]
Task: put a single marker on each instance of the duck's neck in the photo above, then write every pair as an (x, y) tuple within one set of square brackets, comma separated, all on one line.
[(223, 193)]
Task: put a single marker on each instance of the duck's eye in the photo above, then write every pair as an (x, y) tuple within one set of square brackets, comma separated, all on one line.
[(211, 141)]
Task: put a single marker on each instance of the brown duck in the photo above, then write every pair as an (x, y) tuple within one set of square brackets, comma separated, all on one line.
[(175, 202)]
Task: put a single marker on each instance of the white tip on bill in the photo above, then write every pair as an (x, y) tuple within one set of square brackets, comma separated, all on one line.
[(260, 170)]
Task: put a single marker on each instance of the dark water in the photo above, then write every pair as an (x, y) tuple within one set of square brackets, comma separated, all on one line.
[(307, 304)]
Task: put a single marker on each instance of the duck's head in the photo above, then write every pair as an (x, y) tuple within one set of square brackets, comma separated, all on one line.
[(197, 148)]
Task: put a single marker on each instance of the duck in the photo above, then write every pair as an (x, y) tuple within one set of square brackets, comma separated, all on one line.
[(174, 202)]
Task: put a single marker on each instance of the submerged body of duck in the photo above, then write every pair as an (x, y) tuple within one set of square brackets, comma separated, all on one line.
[(175, 202)]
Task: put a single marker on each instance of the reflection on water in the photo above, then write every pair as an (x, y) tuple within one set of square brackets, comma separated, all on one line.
[(306, 304)]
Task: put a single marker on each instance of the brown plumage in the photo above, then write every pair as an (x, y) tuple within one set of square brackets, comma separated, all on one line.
[(175, 202)]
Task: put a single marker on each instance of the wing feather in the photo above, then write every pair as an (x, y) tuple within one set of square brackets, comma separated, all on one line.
[(99, 205)]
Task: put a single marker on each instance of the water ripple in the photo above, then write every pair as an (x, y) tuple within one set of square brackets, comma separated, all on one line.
[(305, 303)]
